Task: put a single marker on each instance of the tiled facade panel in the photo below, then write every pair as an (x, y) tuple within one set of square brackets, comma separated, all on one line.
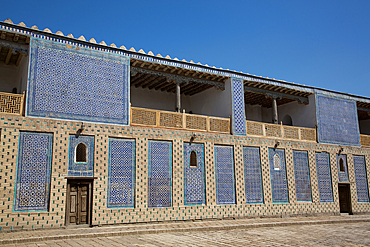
[(102, 214), (194, 190), (238, 105), (342, 175), (225, 178), (77, 84), (252, 175), (81, 169), (337, 121), (302, 176), (324, 177), (279, 184), (159, 174), (33, 172), (361, 178), (121, 173)]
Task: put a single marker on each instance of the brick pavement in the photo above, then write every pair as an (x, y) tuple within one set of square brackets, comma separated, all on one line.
[(324, 230)]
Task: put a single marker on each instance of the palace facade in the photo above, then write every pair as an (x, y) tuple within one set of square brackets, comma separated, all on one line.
[(97, 134)]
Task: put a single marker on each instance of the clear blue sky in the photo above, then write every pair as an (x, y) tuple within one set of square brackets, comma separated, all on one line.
[(323, 43)]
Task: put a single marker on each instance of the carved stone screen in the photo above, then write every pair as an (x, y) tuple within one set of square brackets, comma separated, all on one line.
[(194, 175), (159, 174), (337, 121), (121, 173), (238, 105), (225, 178), (252, 175), (279, 184), (32, 188), (324, 177), (67, 82), (302, 176), (75, 167), (361, 178), (342, 171)]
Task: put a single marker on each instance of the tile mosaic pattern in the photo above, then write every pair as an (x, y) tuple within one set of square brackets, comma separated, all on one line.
[(81, 169), (238, 105), (302, 176), (324, 177), (194, 186), (252, 175), (337, 121), (121, 173), (361, 178), (225, 178), (343, 176), (77, 84), (279, 185), (159, 174), (33, 171)]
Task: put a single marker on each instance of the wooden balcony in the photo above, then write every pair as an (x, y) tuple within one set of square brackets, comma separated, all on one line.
[(280, 131), (166, 119), (365, 140), (12, 103)]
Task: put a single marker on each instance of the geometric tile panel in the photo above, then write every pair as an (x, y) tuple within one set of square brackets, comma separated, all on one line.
[(33, 172), (238, 105), (302, 176), (337, 121), (77, 84), (361, 178), (121, 173), (324, 177), (252, 175), (81, 169), (194, 176), (159, 174), (225, 178), (342, 175), (279, 183)]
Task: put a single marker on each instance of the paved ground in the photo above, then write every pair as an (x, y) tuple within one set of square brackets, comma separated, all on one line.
[(310, 231)]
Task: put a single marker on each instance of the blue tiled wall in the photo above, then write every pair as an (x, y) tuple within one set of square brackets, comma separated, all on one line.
[(77, 84), (279, 184), (121, 173), (238, 105), (337, 121), (252, 175), (194, 176), (343, 176), (81, 169), (302, 176), (159, 174), (225, 178), (324, 177), (33, 172), (361, 178)]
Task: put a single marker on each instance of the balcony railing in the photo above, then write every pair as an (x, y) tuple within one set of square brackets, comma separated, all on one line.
[(165, 119), (12, 103), (280, 131), (365, 140)]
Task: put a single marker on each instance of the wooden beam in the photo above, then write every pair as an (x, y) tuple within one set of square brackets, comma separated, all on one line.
[(149, 81), (19, 59), (169, 87), (8, 56), (142, 80), (161, 85)]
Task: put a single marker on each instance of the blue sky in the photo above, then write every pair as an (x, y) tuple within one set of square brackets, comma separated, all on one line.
[(324, 44)]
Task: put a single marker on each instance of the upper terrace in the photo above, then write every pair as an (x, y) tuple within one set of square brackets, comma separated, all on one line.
[(168, 93)]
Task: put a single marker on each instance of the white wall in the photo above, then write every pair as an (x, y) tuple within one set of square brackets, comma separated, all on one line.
[(211, 102), (302, 115), (156, 99), (12, 76), (365, 127)]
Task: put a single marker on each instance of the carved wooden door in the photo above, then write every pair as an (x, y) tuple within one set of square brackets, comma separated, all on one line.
[(78, 203), (344, 198)]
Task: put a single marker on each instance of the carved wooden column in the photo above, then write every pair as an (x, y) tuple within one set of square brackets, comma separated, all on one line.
[(178, 97), (274, 111)]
